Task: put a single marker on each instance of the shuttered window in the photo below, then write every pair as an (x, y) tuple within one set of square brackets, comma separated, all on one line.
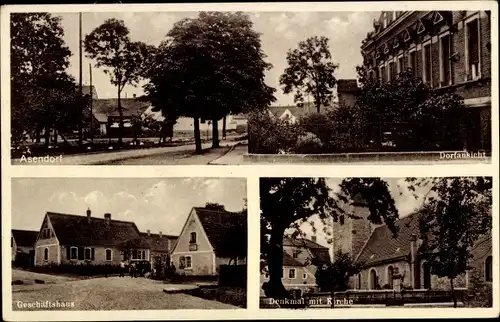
[(473, 47)]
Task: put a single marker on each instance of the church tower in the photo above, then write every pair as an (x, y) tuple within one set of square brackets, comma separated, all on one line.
[(351, 234)]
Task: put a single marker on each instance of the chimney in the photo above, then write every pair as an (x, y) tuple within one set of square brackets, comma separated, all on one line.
[(413, 261), (107, 218), (313, 238), (88, 215), (149, 232), (160, 234)]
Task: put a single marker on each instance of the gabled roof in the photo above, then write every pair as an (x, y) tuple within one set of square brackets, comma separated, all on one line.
[(347, 85), (290, 261), (321, 254), (296, 111), (215, 222), (382, 245), (102, 108), (159, 244), (86, 89), (75, 230), (25, 237)]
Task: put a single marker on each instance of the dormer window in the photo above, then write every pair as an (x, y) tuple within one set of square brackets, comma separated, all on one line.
[(386, 49), (437, 18), (420, 27), (396, 43), (406, 36), (192, 238)]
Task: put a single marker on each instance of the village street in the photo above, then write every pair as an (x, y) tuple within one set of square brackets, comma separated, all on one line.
[(112, 293)]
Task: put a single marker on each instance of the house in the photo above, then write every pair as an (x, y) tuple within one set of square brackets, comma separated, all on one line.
[(105, 113), (23, 242), (449, 50), (347, 91), (161, 247), (301, 259), (291, 113), (382, 255), (204, 243), (74, 239)]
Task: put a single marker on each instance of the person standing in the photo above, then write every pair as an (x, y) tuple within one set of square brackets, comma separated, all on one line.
[(122, 268)]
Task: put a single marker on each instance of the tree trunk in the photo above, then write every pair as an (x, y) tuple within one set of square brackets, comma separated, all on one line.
[(215, 134), (55, 137), (120, 113), (47, 136), (275, 288), (197, 135), (37, 134), (453, 293), (224, 127)]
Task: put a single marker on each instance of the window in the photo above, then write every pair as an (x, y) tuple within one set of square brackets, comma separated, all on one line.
[(304, 276), (143, 254), (296, 253), (137, 254), (373, 279), (472, 49), (46, 254), (188, 262), (192, 239), (371, 75), (182, 262), (88, 253), (427, 76), (109, 254), (413, 62), (390, 274), (73, 253), (11, 241), (291, 273), (394, 15), (401, 65), (488, 269), (341, 220), (445, 62), (392, 71), (385, 19), (383, 74), (266, 275)]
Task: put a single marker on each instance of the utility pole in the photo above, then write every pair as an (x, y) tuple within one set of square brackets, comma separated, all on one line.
[(91, 101), (80, 129)]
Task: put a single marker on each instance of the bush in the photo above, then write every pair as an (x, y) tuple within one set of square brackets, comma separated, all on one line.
[(480, 293), (23, 260), (386, 287), (78, 269), (268, 135), (308, 143)]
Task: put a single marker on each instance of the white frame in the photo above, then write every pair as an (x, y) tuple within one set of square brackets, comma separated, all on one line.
[(424, 65), (190, 262), (466, 43), (412, 50), (106, 255), (398, 64), (370, 286), (85, 253), (290, 270), (441, 62), (71, 257)]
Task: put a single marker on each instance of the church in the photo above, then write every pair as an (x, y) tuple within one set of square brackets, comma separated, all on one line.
[(382, 255)]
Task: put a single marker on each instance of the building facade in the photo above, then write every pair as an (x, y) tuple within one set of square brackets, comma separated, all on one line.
[(383, 255), (449, 50), (200, 250)]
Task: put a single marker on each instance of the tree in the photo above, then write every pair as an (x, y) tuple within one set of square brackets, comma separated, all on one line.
[(456, 213), (42, 93), (208, 67), (335, 277), (310, 71), (291, 202), (215, 206), (417, 116), (125, 61)]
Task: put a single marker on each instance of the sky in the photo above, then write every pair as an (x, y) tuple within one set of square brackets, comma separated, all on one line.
[(280, 31), (161, 204)]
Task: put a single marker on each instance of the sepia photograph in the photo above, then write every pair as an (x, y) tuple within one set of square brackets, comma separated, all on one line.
[(376, 242), (128, 244), (231, 88)]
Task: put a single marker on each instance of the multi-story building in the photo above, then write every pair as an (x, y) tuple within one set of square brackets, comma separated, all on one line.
[(449, 50)]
